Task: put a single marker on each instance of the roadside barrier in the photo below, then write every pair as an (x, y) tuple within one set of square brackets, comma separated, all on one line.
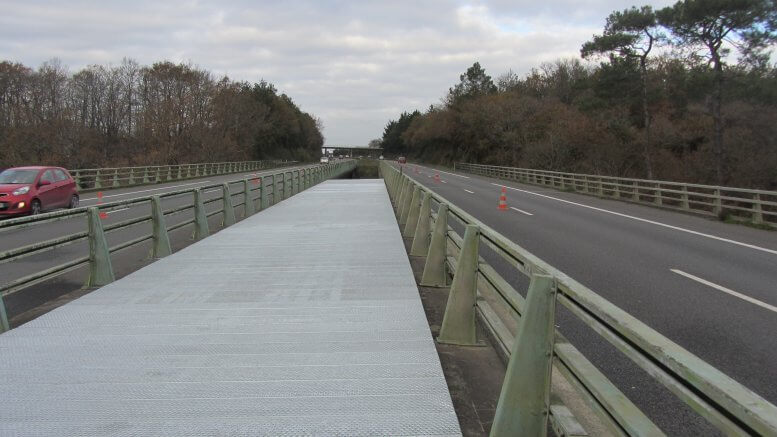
[(91, 179), (524, 408), (269, 191), (755, 206)]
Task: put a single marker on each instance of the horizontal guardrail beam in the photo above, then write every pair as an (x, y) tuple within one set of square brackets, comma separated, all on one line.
[(760, 206), (90, 179)]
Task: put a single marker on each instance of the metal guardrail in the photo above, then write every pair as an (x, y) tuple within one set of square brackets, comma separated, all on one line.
[(271, 189), (477, 290), (758, 206), (89, 179)]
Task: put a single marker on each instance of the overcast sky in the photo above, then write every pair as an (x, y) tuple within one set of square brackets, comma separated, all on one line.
[(353, 64)]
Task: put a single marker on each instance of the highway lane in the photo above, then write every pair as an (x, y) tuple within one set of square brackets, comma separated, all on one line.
[(126, 260), (709, 286)]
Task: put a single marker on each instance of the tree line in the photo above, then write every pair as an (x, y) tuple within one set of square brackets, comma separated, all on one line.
[(683, 93), (128, 114)]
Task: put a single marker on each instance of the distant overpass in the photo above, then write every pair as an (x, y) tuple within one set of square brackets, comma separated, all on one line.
[(372, 152)]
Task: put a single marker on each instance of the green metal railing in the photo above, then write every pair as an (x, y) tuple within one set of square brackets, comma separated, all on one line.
[(89, 179), (477, 290), (266, 189), (756, 206)]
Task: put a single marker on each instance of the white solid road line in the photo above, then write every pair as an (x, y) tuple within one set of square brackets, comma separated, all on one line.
[(676, 228), (116, 210), (726, 290), (145, 191), (443, 182), (470, 192), (446, 172), (521, 211)]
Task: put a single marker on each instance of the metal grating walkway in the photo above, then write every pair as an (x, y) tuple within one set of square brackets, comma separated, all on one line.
[(301, 320)]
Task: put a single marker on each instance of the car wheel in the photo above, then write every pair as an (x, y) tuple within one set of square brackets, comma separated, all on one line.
[(35, 207), (73, 202)]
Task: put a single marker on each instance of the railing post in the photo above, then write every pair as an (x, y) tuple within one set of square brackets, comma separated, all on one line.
[(260, 188), (458, 323), (406, 203), (718, 208), (617, 189), (277, 195), (161, 240), (659, 194), (97, 183), (196, 170), (77, 177), (145, 175), (248, 207), (4, 326), (229, 210), (157, 179), (201, 229), (635, 191), (265, 193), (686, 203), (116, 178), (758, 216), (169, 173), (601, 187), (402, 194), (524, 402), (420, 246), (412, 215), (180, 173), (434, 267), (100, 267)]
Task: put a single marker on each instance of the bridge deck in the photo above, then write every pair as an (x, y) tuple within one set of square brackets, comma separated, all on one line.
[(303, 319)]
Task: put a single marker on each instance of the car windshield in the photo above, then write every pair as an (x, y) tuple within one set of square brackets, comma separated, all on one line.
[(12, 176)]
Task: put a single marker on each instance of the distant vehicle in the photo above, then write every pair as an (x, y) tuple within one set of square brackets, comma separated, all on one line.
[(402, 160), (381, 157), (324, 159), (32, 190)]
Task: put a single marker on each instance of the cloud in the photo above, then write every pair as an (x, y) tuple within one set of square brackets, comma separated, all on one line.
[(354, 64)]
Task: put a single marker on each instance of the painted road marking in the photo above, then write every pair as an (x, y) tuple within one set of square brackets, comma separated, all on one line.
[(452, 174), (116, 210), (521, 211), (726, 290), (146, 191), (443, 182), (676, 228), (470, 192)]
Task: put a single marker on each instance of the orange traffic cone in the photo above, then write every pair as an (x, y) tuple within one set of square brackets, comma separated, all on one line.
[(102, 214), (503, 200)]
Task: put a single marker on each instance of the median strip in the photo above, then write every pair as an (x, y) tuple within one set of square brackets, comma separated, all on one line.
[(726, 290)]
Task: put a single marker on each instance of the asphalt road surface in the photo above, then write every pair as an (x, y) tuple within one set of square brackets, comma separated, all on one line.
[(709, 286), (30, 302)]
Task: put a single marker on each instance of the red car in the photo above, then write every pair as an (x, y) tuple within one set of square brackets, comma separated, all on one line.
[(32, 190)]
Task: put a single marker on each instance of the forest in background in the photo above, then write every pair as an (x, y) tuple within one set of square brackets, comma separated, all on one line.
[(665, 102), (130, 114)]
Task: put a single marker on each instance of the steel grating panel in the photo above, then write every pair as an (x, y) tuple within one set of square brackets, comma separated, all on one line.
[(301, 320)]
